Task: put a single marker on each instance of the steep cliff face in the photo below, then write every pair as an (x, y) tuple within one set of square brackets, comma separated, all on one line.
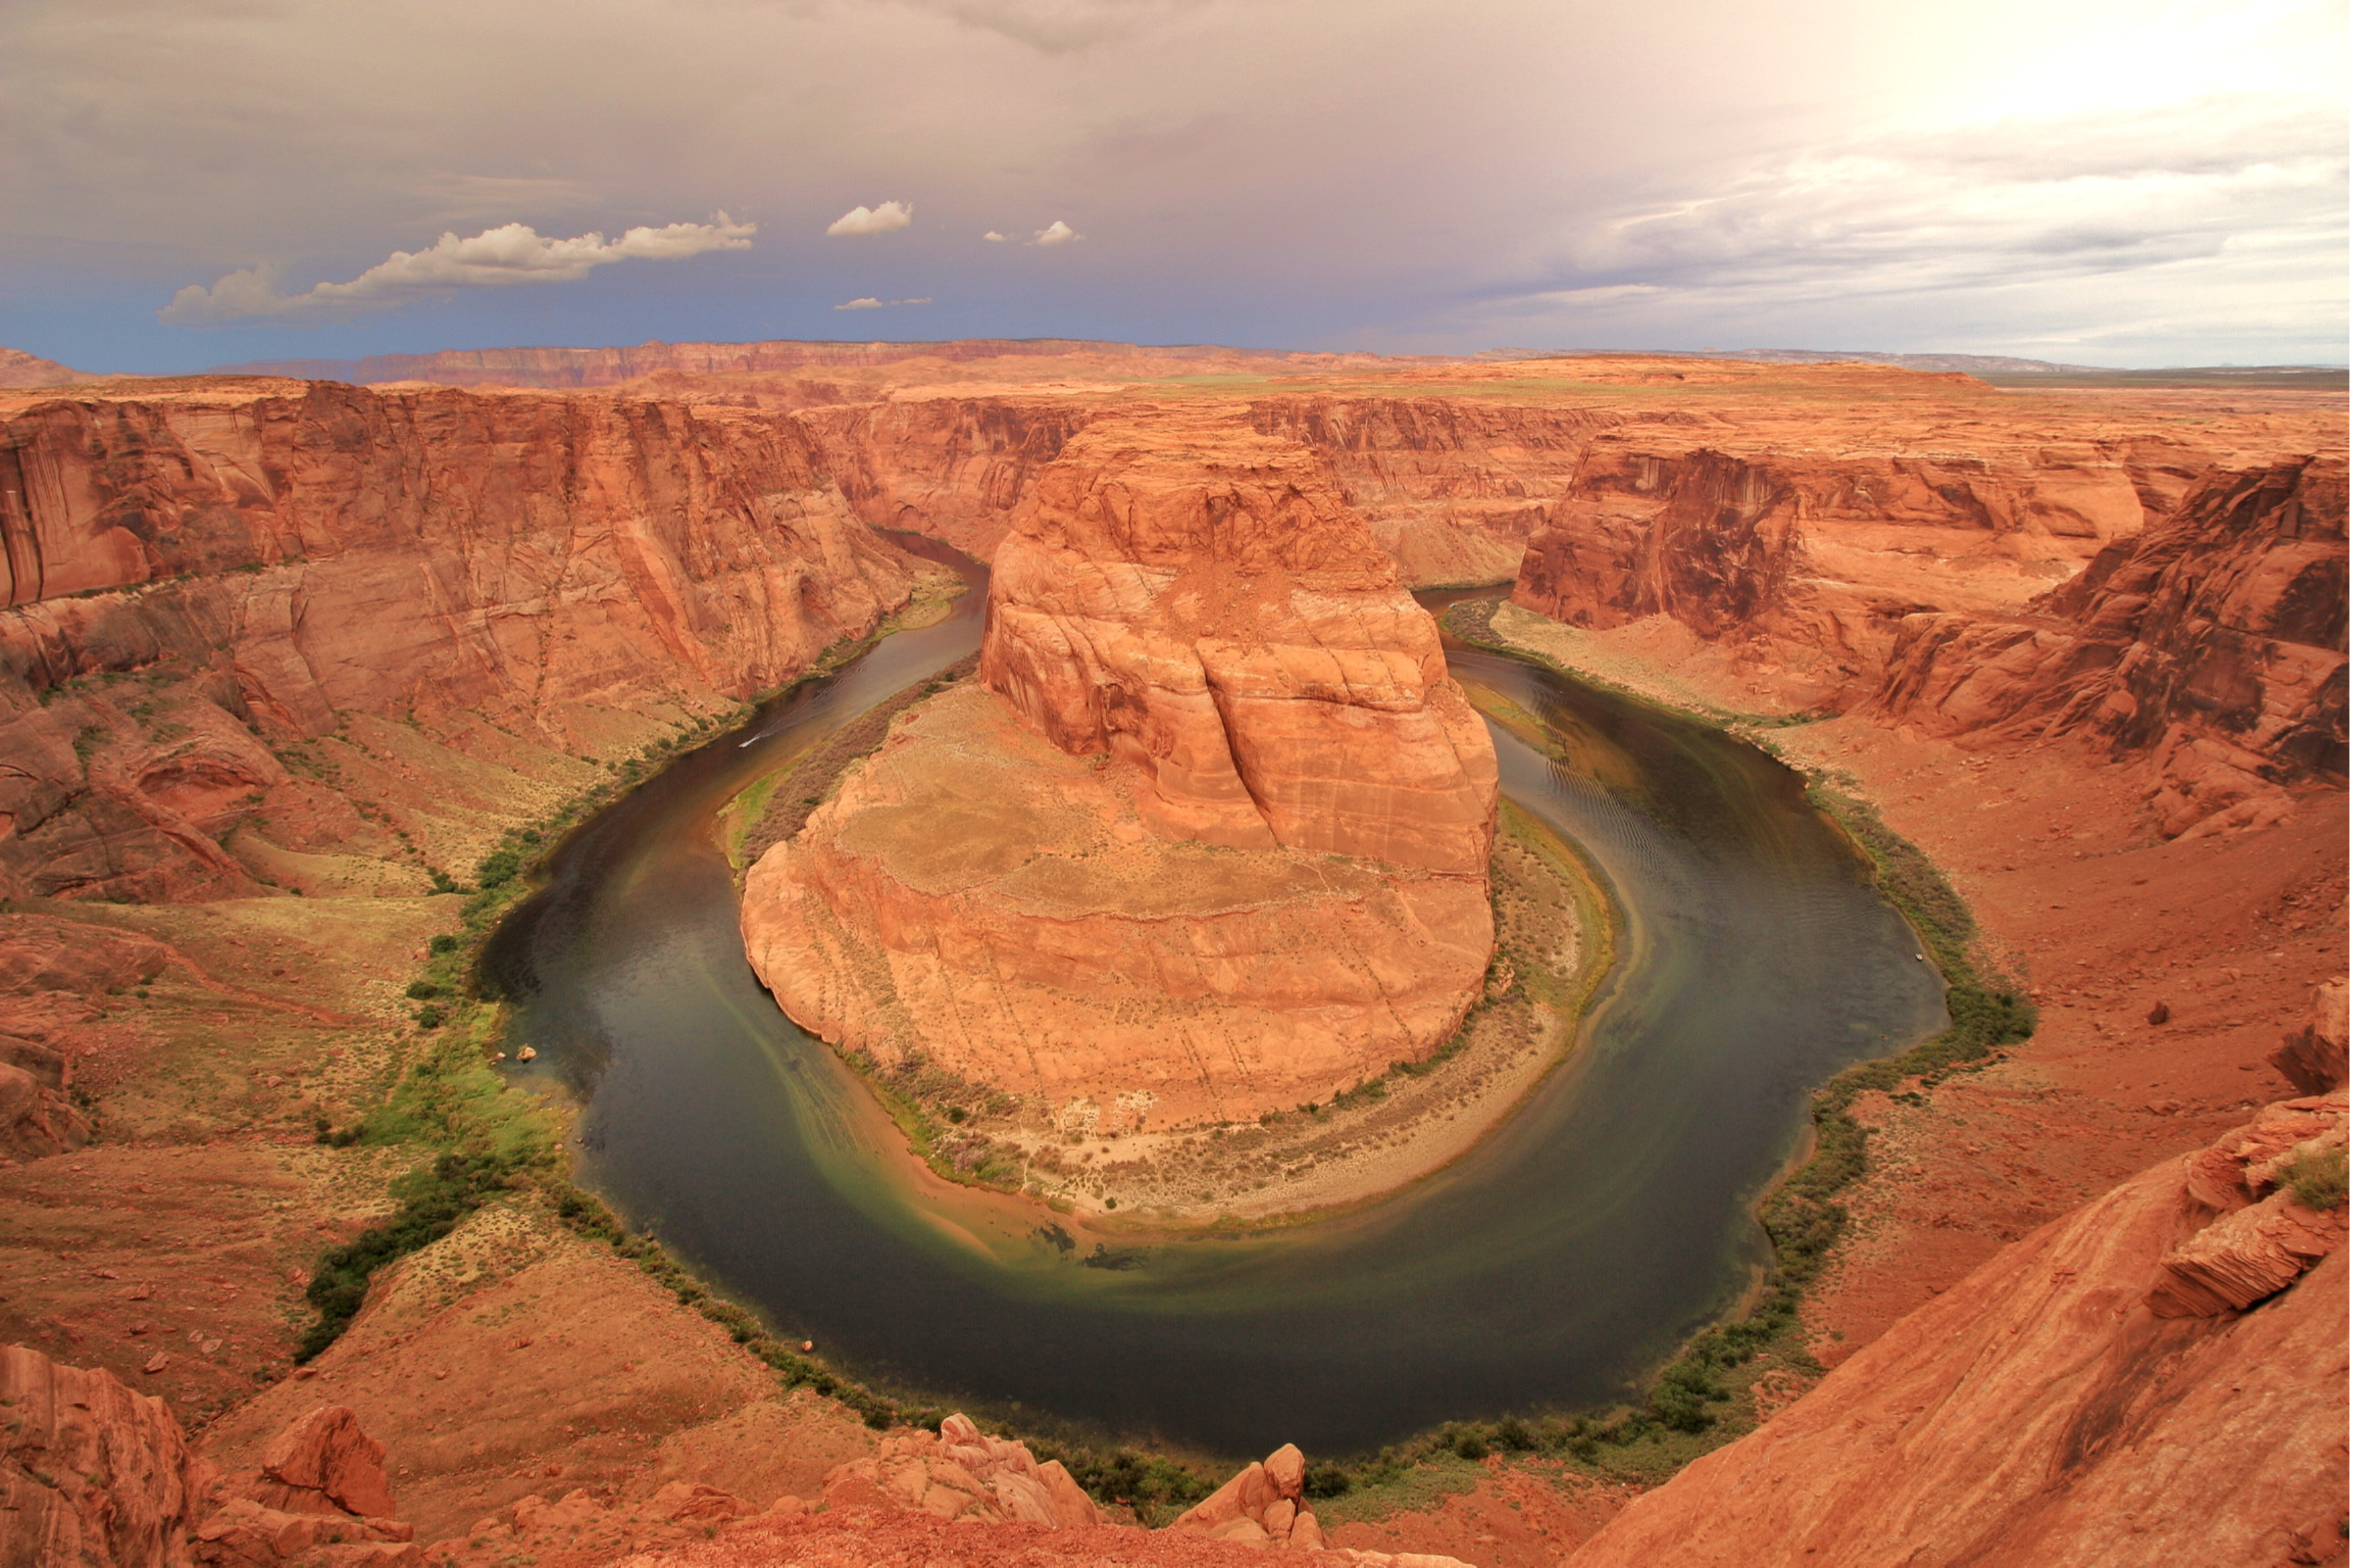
[(1198, 603), (956, 469), (1815, 559), (1213, 839), (1452, 487), (90, 1473), (269, 558), (2213, 643), (2156, 1379)]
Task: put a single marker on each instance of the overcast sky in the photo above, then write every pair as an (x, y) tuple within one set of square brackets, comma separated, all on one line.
[(187, 183)]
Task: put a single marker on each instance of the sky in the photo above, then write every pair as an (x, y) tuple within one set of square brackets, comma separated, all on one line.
[(191, 183)]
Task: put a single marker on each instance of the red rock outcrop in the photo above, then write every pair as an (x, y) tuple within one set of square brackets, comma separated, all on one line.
[(1817, 557), (2213, 643), (281, 556), (93, 1475), (2314, 1057), (1240, 797), (321, 1493), (963, 1473), (1264, 1505), (1199, 604), (2078, 1399)]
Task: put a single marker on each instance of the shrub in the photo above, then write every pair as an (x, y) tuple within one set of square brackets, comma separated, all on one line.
[(497, 867), (1328, 1481), (1471, 1445), (434, 1200), (423, 991), (443, 943), (430, 1016), (2317, 1177)]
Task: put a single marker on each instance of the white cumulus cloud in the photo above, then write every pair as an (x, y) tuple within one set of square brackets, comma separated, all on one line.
[(1057, 233), (994, 237), (865, 302), (879, 219), (513, 253)]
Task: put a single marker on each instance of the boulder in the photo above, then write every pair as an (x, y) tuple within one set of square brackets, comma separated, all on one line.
[(963, 1473), (1265, 1503)]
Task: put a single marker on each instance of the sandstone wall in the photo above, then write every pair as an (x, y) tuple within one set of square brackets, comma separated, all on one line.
[(1815, 559), (1198, 603), (2214, 643), (272, 557)]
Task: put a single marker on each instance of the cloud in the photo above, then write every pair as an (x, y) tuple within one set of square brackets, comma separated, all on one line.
[(880, 219), (1057, 233), (994, 237), (869, 302), (496, 257)]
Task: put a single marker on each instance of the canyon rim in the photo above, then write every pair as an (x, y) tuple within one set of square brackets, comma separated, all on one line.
[(299, 679)]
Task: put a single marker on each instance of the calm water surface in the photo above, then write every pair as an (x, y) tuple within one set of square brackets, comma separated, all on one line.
[(1565, 1255)]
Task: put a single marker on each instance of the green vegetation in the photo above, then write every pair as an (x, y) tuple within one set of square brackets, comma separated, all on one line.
[(433, 1200), (2317, 1177)]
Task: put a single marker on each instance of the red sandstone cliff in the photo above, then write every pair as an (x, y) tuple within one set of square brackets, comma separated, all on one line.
[(1231, 854), (2155, 1379), (1201, 605), (1817, 557), (272, 558), (2214, 642)]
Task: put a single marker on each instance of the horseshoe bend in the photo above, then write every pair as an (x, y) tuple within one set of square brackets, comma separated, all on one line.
[(1653, 957)]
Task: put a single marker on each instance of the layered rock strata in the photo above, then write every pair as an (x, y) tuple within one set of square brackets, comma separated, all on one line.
[(90, 1473), (2214, 643), (1817, 557), (2158, 1378), (270, 558), (1212, 842)]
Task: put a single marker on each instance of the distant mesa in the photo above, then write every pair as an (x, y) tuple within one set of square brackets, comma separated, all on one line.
[(19, 369)]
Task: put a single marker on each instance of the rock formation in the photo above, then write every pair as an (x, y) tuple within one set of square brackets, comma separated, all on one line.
[(321, 1493), (963, 1473), (1264, 1505), (1220, 846), (2313, 1058), (2214, 642), (1817, 557), (2155, 1379), (94, 1475), (1200, 604), (270, 558)]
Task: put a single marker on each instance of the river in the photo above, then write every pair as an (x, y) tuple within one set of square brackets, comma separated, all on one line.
[(1549, 1268)]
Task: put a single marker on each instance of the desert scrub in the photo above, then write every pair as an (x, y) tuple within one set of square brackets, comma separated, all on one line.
[(433, 1199), (2317, 1177)]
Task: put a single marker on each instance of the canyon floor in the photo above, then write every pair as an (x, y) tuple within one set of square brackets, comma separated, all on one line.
[(212, 1022)]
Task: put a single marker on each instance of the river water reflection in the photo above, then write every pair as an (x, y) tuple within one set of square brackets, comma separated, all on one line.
[(1565, 1255)]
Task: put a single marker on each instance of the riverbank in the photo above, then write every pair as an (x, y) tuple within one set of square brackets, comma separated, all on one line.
[(2074, 892), (1555, 942)]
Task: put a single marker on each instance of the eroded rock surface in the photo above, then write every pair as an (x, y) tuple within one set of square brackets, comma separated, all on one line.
[(1213, 842), (91, 1475), (2155, 1379), (2213, 643), (269, 558)]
